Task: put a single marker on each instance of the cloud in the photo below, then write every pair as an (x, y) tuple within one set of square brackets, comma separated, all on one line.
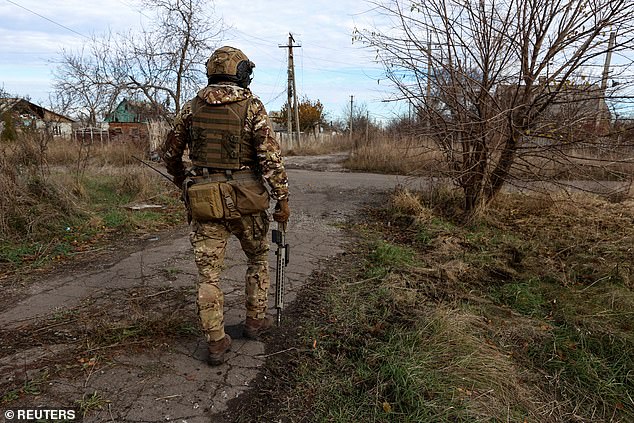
[(328, 65)]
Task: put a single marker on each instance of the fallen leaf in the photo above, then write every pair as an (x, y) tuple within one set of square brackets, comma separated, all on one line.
[(387, 407)]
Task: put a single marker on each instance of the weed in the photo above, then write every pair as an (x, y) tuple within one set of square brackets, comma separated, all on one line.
[(89, 403), (31, 386), (386, 254), (115, 218), (138, 329), (10, 396), (171, 273), (62, 314), (423, 236)]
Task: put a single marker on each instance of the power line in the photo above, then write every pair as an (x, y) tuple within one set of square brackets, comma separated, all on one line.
[(275, 98), (48, 19), (138, 10), (268, 42), (277, 80)]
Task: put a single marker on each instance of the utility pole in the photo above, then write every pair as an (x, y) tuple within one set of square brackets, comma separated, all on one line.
[(608, 59), (351, 102), (367, 127), (291, 93), (602, 113)]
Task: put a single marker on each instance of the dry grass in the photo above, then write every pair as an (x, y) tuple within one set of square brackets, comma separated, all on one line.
[(312, 146), (615, 164), (32, 204), (402, 156), (59, 195), (522, 316), (62, 152), (408, 203), (415, 156)]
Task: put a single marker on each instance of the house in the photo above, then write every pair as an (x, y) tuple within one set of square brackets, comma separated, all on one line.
[(130, 111), (26, 114), (137, 122)]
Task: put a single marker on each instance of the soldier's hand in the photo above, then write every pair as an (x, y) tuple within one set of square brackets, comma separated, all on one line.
[(282, 211)]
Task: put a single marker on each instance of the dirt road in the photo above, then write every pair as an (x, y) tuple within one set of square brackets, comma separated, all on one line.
[(118, 337)]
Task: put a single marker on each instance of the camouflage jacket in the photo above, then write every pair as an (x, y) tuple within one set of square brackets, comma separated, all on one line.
[(257, 128)]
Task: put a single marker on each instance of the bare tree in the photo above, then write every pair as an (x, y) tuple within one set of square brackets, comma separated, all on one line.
[(81, 86), (502, 85), (162, 63)]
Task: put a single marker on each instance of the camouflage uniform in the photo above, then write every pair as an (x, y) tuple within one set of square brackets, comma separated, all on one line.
[(209, 238)]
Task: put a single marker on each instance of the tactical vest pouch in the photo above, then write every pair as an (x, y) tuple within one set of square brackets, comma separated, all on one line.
[(217, 135), (251, 197), (205, 201)]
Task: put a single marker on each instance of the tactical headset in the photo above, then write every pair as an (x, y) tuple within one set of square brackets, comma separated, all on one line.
[(229, 64)]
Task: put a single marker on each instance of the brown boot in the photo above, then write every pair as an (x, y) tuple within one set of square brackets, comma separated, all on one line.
[(217, 350), (253, 328)]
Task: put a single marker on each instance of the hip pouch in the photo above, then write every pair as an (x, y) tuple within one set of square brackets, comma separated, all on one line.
[(212, 200), (205, 201), (251, 197)]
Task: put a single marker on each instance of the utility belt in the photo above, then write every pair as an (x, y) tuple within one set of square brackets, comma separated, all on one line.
[(206, 174), (213, 194)]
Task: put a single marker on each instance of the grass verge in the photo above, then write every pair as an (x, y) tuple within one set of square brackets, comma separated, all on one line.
[(54, 208), (523, 316)]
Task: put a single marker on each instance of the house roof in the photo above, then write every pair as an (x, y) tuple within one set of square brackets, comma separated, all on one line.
[(21, 105), (132, 111)]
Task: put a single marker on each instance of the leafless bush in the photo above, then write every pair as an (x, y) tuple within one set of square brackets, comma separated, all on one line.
[(31, 204)]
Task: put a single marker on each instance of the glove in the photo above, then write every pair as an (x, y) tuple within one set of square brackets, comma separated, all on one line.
[(282, 211)]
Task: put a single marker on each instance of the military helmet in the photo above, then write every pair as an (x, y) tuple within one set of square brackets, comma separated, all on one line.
[(229, 64)]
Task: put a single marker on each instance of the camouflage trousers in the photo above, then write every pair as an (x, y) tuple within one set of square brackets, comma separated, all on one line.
[(209, 240)]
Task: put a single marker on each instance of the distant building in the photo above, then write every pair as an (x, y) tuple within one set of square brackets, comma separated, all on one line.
[(138, 122), (129, 111), (25, 114), (578, 105)]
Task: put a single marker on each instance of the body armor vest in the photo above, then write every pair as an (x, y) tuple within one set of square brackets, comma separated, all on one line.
[(217, 135)]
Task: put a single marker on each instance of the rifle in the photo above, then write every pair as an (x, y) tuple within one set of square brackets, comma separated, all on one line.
[(154, 169), (279, 237)]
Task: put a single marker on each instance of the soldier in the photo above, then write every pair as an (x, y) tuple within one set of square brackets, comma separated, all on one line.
[(233, 151)]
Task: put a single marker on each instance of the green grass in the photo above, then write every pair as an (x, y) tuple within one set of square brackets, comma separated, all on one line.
[(385, 256), (525, 297), (381, 362)]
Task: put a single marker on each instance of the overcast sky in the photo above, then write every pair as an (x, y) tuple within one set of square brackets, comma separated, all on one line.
[(329, 67)]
